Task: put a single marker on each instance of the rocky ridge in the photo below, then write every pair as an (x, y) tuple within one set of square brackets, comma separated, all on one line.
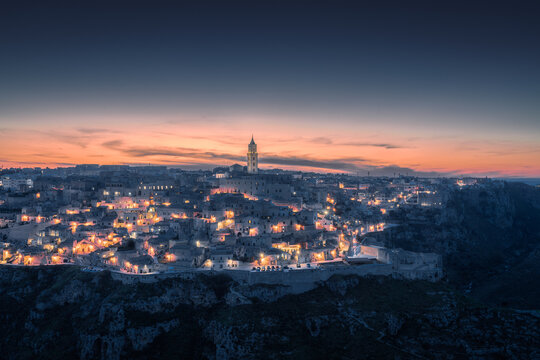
[(66, 313)]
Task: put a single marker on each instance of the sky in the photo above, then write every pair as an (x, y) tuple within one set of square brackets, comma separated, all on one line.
[(418, 87)]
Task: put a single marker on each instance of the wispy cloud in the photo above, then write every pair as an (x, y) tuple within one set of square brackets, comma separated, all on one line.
[(178, 152), (183, 154), (380, 145), (34, 163), (321, 140), (300, 162), (328, 141), (113, 144), (390, 170), (84, 130)]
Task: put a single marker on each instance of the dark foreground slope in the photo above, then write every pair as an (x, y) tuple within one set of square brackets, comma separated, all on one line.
[(489, 238), (53, 313)]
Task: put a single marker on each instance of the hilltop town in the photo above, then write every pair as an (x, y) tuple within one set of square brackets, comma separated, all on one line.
[(256, 225)]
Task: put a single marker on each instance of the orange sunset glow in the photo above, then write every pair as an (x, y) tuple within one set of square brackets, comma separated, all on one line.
[(173, 141)]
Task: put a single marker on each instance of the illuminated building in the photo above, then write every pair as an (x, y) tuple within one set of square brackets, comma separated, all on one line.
[(252, 158)]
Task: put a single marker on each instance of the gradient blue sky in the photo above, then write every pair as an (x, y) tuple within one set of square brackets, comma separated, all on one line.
[(450, 87)]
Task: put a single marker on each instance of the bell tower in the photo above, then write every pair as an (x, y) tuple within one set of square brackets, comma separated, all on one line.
[(252, 158)]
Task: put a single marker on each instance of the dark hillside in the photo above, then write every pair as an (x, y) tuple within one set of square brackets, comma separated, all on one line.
[(490, 240), (52, 313)]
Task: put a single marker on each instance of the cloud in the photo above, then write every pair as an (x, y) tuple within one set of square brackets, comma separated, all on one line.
[(390, 170), (321, 140), (47, 156), (221, 140), (332, 164), (197, 119), (178, 152), (96, 131), (328, 141), (67, 137), (113, 144), (381, 145), (193, 157), (181, 154), (33, 163)]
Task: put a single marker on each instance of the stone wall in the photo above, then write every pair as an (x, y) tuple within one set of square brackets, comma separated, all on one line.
[(150, 278), (298, 280), (306, 279)]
